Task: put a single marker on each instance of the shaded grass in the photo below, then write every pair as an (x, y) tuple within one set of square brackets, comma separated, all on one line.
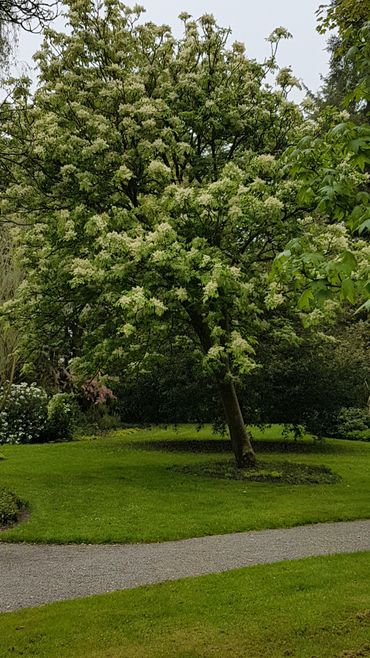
[(278, 472), (222, 446), (317, 607), (121, 488)]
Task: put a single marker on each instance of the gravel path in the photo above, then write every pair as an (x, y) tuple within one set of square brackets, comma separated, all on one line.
[(34, 574)]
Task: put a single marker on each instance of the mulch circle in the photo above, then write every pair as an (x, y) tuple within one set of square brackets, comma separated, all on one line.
[(279, 472)]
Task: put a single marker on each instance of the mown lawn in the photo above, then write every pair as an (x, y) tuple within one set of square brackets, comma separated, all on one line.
[(313, 608), (120, 487)]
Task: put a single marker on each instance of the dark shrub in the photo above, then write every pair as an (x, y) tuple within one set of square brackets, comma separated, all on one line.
[(62, 414)]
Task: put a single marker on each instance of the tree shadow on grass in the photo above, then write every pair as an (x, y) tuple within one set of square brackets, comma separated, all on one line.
[(222, 446)]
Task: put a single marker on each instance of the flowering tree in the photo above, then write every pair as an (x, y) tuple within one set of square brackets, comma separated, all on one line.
[(150, 176)]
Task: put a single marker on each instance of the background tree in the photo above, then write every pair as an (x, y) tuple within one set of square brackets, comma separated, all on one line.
[(332, 161), (29, 15), (151, 176), (309, 381), (302, 382), (9, 280), (346, 80)]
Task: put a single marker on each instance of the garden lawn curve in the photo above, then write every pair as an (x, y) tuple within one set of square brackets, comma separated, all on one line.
[(130, 486), (32, 575)]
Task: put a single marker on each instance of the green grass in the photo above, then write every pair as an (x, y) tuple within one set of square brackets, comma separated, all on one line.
[(122, 487), (318, 607)]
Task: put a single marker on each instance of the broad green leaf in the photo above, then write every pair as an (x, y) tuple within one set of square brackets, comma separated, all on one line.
[(348, 290), (348, 262), (305, 300)]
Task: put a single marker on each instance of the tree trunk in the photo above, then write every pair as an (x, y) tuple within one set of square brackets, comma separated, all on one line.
[(240, 439)]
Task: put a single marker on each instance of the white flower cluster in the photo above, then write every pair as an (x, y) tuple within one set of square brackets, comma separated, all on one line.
[(274, 296), (137, 301), (266, 163), (157, 169), (181, 294), (215, 351), (210, 290), (242, 351), (273, 205), (24, 413)]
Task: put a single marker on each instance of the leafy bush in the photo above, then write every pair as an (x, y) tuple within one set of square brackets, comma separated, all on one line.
[(352, 422), (10, 507), (172, 390), (23, 413), (62, 413), (347, 423), (98, 418), (321, 423), (309, 381)]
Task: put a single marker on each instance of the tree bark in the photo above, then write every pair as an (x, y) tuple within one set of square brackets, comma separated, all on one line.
[(239, 436)]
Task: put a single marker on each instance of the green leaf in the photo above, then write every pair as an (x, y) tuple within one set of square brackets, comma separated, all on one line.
[(363, 198), (348, 262), (360, 161), (348, 290), (305, 299), (356, 144), (339, 129), (365, 226)]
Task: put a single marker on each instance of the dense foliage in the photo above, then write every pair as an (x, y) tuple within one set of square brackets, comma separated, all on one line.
[(332, 160), (309, 382)]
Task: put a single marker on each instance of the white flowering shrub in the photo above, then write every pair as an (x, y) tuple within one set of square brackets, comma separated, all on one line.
[(23, 413)]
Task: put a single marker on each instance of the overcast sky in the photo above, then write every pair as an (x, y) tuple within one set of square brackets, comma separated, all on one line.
[(251, 22)]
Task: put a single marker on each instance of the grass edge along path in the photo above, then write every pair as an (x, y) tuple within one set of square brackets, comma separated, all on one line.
[(317, 607), (74, 571)]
